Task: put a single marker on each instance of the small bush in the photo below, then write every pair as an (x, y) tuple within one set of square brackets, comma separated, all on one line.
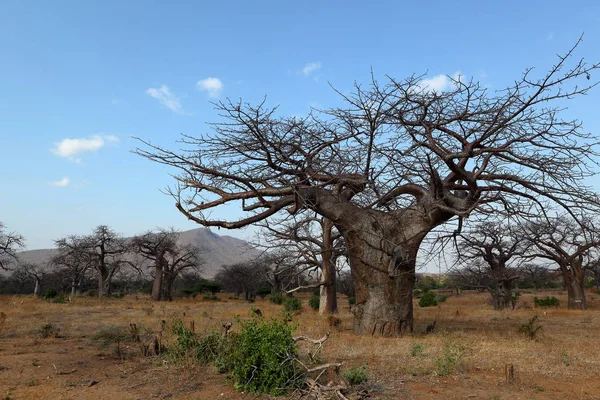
[(545, 302), (61, 298), (314, 302), (441, 298), (446, 364), (263, 359), (210, 298), (276, 298), (292, 304), (532, 328), (428, 300), (50, 293), (49, 331), (356, 375), (416, 349), (351, 300), (263, 292), (113, 335)]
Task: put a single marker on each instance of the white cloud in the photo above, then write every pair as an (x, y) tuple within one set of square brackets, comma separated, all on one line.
[(69, 148), (439, 83), (64, 182), (211, 85), (310, 68), (165, 97)]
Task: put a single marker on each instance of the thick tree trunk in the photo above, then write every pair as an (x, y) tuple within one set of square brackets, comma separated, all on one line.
[(103, 283), (576, 294), (383, 272), (157, 285), (168, 284), (573, 280), (502, 294), (328, 300)]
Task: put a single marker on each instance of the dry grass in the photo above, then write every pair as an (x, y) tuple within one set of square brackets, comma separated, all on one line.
[(463, 358)]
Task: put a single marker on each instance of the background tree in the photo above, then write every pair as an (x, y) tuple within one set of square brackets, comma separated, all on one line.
[(243, 278), (154, 247), (535, 275), (36, 272), (74, 260), (492, 250), (391, 164), (10, 244), (572, 245), (103, 248), (316, 245), (180, 260)]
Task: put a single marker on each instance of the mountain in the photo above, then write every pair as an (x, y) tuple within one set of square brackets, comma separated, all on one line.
[(217, 250)]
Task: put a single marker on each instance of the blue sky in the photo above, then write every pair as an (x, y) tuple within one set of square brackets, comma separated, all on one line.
[(99, 72)]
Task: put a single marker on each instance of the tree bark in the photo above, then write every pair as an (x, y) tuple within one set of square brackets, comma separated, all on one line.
[(502, 294), (168, 285), (103, 283), (576, 294), (328, 292), (157, 285)]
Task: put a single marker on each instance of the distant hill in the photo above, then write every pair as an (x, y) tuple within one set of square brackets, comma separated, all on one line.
[(217, 250)]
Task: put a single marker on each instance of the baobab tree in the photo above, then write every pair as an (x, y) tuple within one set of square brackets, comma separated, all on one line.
[(10, 244), (104, 249), (572, 244), (168, 259), (72, 258), (389, 165), (492, 250)]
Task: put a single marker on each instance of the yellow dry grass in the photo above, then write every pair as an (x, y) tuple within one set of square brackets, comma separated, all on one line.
[(464, 358)]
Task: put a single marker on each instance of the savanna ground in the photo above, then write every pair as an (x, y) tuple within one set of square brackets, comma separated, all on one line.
[(464, 358)]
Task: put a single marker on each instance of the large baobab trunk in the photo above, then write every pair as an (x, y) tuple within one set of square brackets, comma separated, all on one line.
[(157, 285), (328, 301), (103, 283), (502, 294), (382, 253), (168, 286), (575, 290)]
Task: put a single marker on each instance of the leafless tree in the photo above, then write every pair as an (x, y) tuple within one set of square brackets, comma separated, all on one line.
[(245, 277), (104, 249), (35, 272), (572, 244), (493, 250), (10, 244), (74, 260), (312, 243), (593, 271), (182, 258), (168, 259), (154, 246), (391, 164), (536, 273)]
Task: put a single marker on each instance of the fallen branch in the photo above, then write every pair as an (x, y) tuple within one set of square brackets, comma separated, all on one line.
[(318, 341), (324, 366)]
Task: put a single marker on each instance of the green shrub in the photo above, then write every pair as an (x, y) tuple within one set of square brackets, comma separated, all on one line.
[(61, 298), (50, 293), (440, 298), (113, 335), (263, 360), (314, 302), (292, 304), (532, 328), (446, 364), (545, 302), (351, 300), (416, 349), (428, 300), (210, 298), (277, 298), (356, 375), (49, 331)]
